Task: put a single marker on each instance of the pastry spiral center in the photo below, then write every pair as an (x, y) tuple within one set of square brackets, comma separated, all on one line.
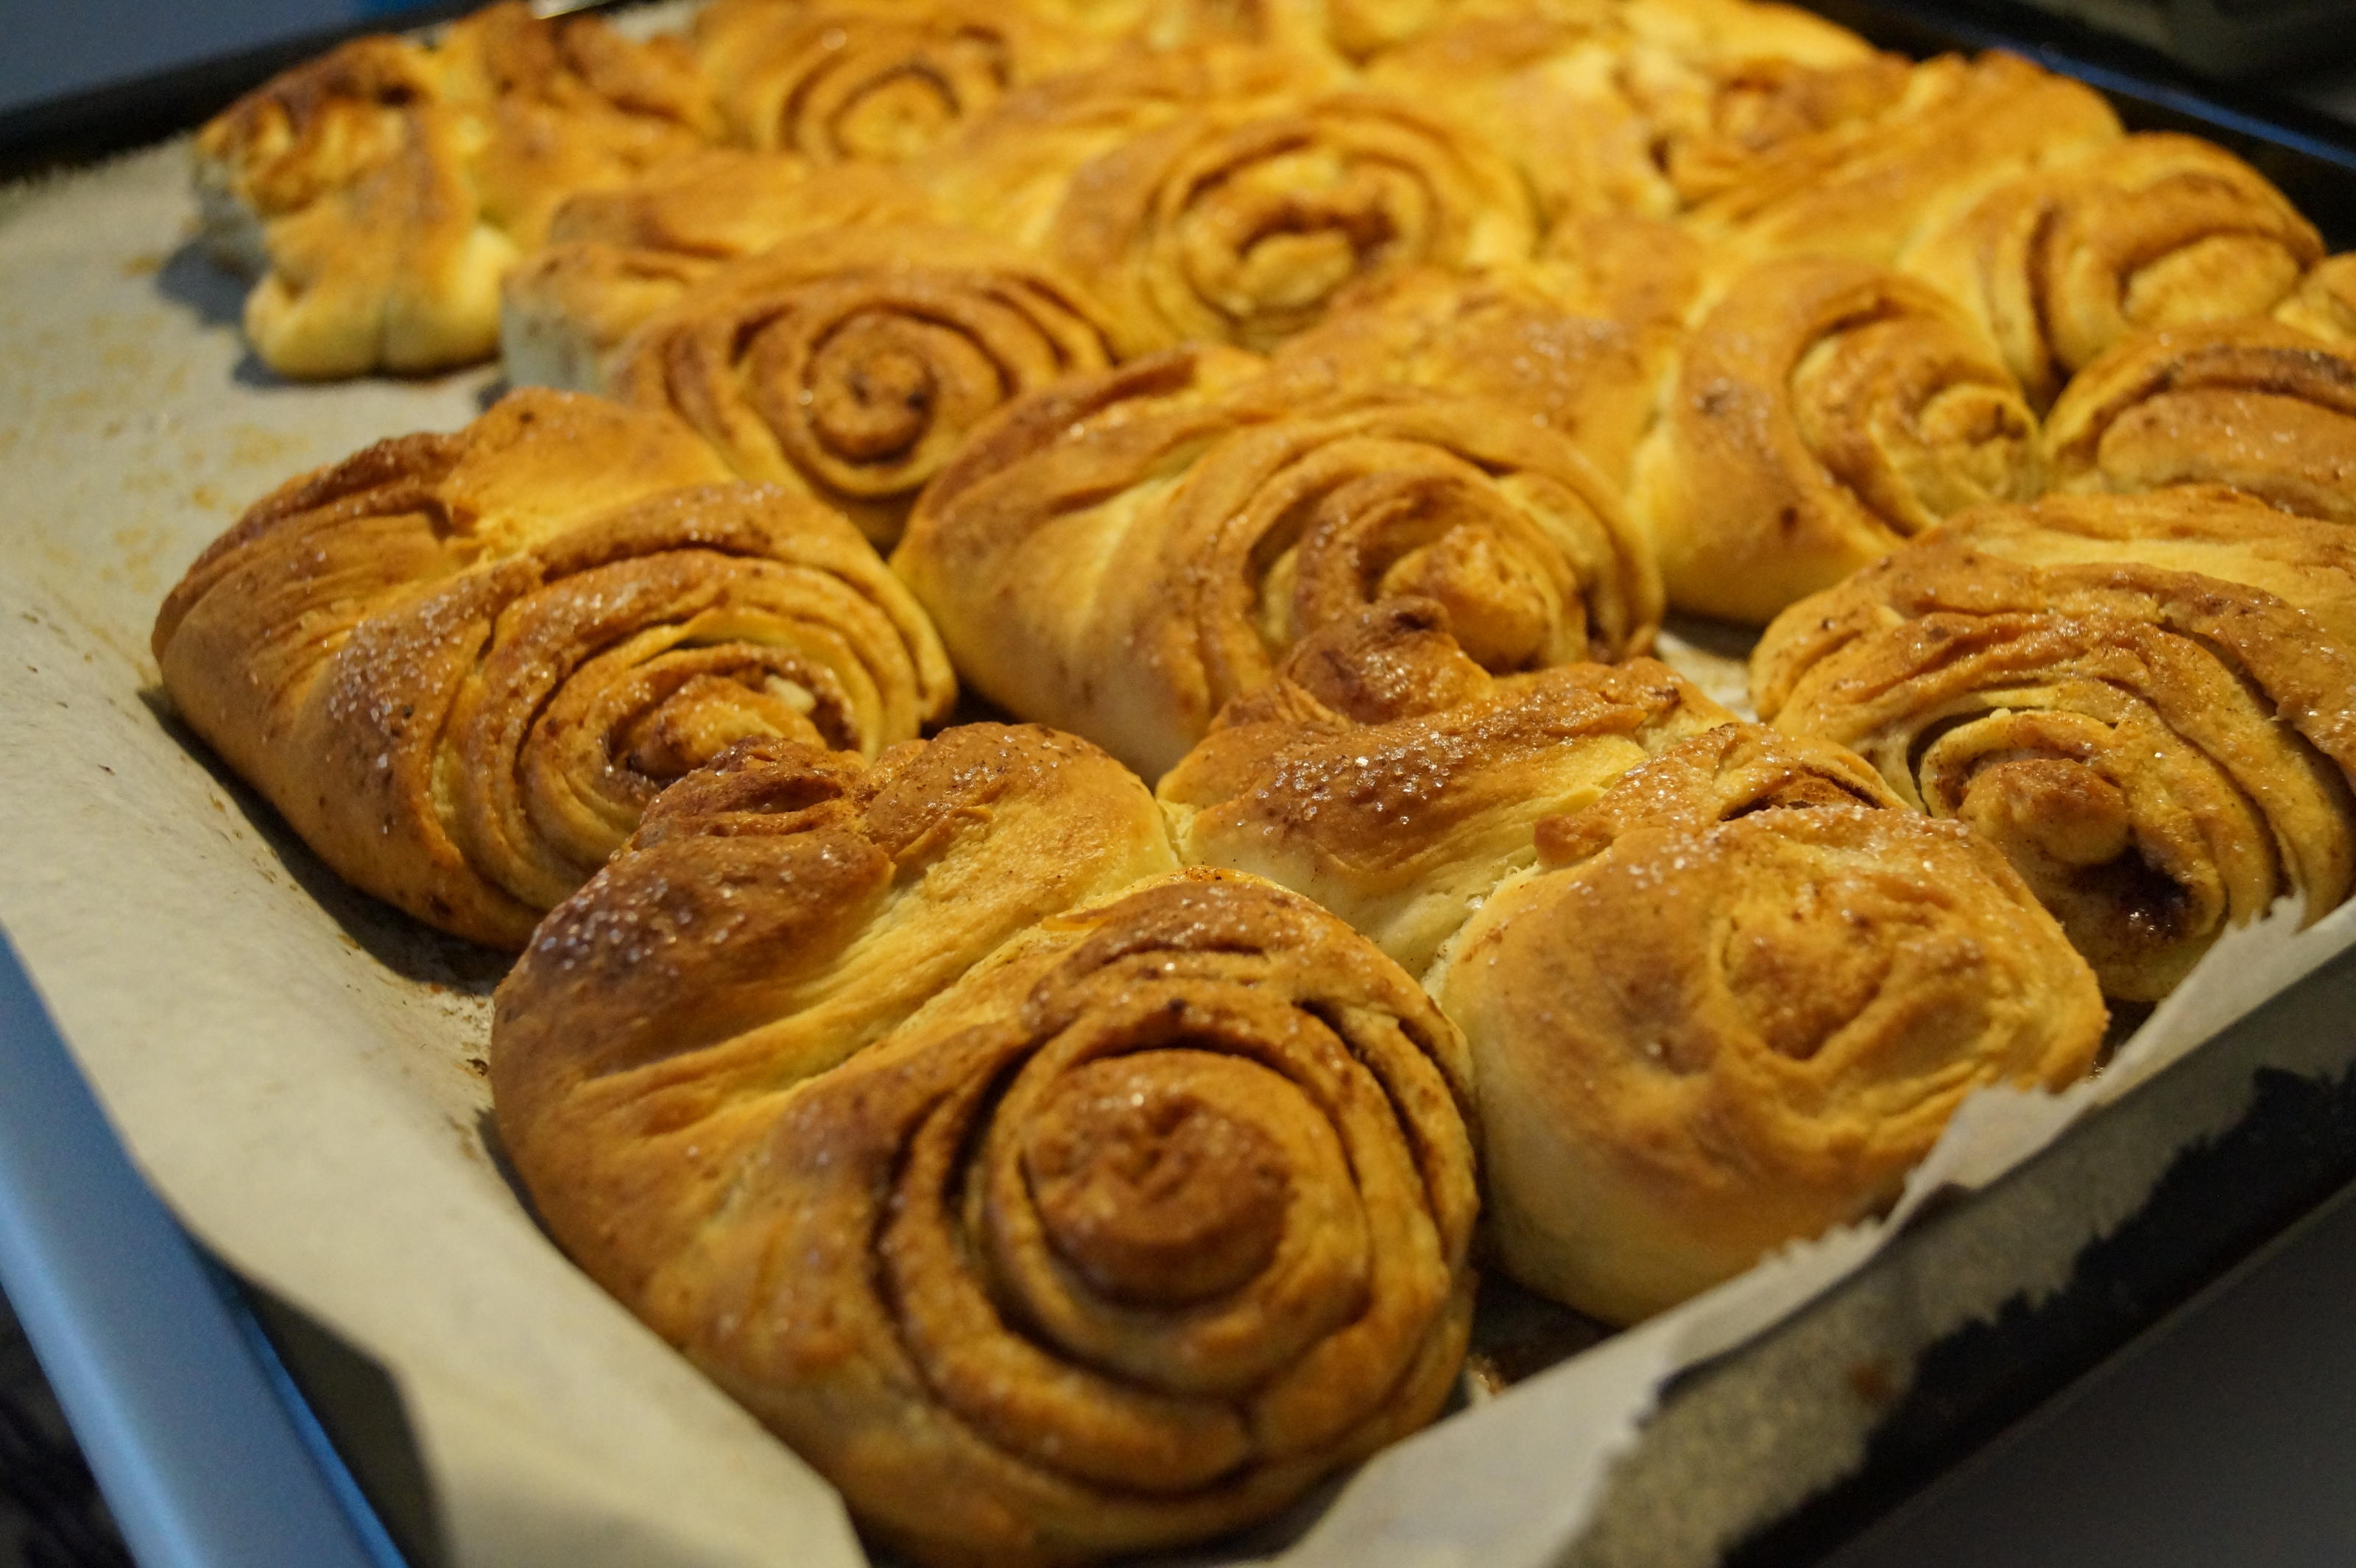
[(1904, 414), (1388, 535), (872, 393), (1153, 1193), (1268, 247)]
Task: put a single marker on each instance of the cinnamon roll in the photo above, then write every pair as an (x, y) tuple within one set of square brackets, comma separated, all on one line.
[(2154, 231), (1122, 554), (1010, 169), (1875, 181), (2324, 304), (1240, 224), (1825, 410), (1528, 337), (1396, 781), (2144, 701), (380, 191), (1641, 109), (615, 257), (461, 664), (2253, 404), (1117, 1220), (853, 362), (870, 80), (1739, 1000)]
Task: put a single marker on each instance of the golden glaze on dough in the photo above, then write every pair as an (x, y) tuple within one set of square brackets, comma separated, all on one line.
[(2145, 701), (1123, 554), (1823, 412), (1736, 1004), (853, 362), (1115, 1219), (382, 190), (2253, 404), (2153, 230), (1393, 780), (461, 664)]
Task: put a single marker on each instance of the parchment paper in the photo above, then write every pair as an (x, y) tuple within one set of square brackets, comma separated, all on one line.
[(299, 1072)]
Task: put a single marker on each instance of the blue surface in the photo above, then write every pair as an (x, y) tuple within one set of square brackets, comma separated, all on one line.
[(49, 48), (207, 1456)]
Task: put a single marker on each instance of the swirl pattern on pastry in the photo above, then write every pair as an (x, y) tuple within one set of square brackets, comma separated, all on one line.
[(1529, 337), (1239, 225), (2154, 230), (2144, 701), (1641, 109), (380, 191), (1396, 781), (2253, 404), (1185, 519), (853, 362), (1872, 184), (869, 81), (1825, 410), (1010, 170), (460, 666), (615, 258), (1738, 1003), (1113, 1222)]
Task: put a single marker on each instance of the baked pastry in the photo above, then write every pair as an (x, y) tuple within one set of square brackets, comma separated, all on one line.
[(2324, 304), (1122, 554), (1397, 783), (461, 664), (380, 191), (1823, 412), (1539, 338), (1735, 1006), (1870, 183), (2147, 702), (870, 80), (1642, 108), (1117, 1219), (853, 362), (1239, 224), (1010, 170), (615, 257), (2253, 404), (2153, 230)]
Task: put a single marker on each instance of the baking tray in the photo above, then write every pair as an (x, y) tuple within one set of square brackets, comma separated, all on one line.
[(1768, 1455)]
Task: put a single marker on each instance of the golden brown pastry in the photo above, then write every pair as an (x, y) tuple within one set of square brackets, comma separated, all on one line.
[(1737, 1004), (1240, 224), (2154, 230), (461, 664), (1867, 186), (1010, 169), (853, 363), (380, 191), (1396, 781), (1824, 411), (615, 257), (1122, 554), (1116, 1219), (1536, 337), (2148, 702), (871, 81), (2324, 304), (2253, 404), (1645, 107)]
